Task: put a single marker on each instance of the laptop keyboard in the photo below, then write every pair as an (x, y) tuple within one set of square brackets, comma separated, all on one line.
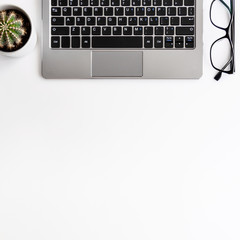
[(147, 24)]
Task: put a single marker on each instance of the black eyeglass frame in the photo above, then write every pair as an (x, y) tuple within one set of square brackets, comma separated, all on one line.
[(229, 35)]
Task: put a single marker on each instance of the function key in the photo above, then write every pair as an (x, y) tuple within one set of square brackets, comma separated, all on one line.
[(189, 2), (115, 2), (83, 2), (168, 42), (77, 11), (178, 2), (66, 11), (189, 42), (148, 42), (56, 11), (54, 2), (75, 42), (55, 42), (65, 42), (73, 2), (167, 2), (62, 2)]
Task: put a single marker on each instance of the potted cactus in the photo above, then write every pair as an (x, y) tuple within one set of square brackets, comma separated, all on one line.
[(17, 35)]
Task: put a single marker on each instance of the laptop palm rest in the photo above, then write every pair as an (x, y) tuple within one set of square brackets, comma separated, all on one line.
[(117, 64)]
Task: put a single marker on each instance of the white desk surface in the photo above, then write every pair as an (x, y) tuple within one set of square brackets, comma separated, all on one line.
[(118, 159)]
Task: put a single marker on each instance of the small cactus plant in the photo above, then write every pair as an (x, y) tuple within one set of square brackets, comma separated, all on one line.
[(11, 29)]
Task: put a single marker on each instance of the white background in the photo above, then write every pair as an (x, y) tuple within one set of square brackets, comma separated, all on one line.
[(122, 159)]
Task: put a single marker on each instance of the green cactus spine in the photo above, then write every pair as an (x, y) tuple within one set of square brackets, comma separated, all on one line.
[(11, 30)]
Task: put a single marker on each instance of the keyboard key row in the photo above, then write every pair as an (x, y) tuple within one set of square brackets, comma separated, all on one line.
[(123, 42), (122, 2)]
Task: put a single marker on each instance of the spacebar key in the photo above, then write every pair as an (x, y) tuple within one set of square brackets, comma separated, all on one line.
[(117, 42)]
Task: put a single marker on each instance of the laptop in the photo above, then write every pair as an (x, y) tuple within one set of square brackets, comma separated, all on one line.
[(148, 39)]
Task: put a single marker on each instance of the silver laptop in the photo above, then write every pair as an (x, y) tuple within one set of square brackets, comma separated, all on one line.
[(149, 39)]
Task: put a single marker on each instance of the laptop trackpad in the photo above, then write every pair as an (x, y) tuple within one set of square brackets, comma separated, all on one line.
[(117, 64)]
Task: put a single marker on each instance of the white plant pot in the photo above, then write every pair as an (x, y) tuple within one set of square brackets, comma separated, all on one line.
[(30, 44)]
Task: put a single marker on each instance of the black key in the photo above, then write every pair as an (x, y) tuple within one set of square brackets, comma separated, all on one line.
[(136, 2), (83, 2), (77, 11), (175, 21), (185, 31), (129, 11), (56, 11), (62, 2), (171, 11), (148, 42), (159, 31), (143, 21), (60, 30), (54, 2), (75, 31), (178, 2), (94, 2), (104, 2), (65, 42), (66, 11), (70, 21), (115, 2), (98, 11), (101, 21), (167, 2), (182, 11), (189, 42), (189, 2), (87, 11), (80, 21), (119, 11), (85, 30), (169, 30), (112, 21), (108, 11), (57, 20), (164, 20), (96, 31), (73, 2), (117, 42), (148, 30), (91, 21), (168, 42), (122, 21), (187, 20), (140, 11), (117, 31), (75, 42), (153, 21), (150, 11), (158, 42), (179, 42), (125, 2), (146, 2), (138, 30), (191, 11), (106, 31), (55, 42), (86, 42), (127, 31), (132, 21), (161, 11), (157, 2)]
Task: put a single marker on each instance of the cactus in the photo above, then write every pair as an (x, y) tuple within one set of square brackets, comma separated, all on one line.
[(11, 29)]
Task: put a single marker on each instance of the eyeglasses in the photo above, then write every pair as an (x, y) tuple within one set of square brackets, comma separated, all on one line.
[(222, 16)]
